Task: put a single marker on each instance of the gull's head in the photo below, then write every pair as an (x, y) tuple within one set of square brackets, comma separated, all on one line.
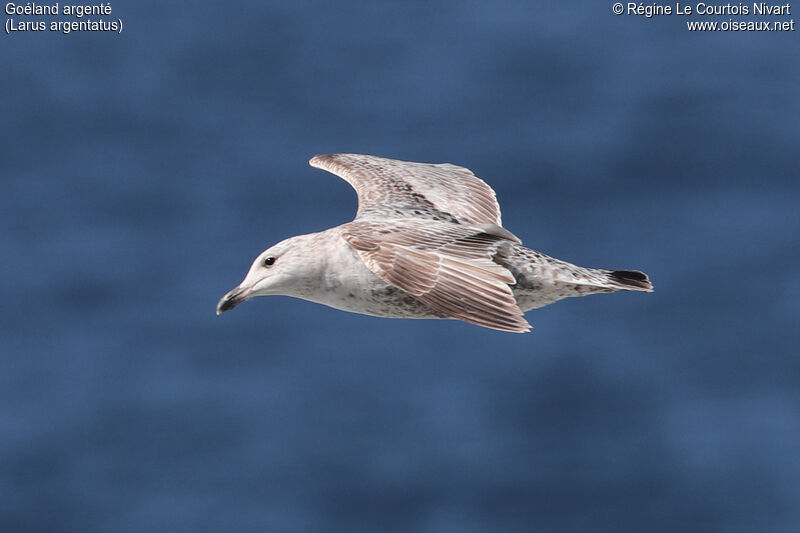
[(282, 269)]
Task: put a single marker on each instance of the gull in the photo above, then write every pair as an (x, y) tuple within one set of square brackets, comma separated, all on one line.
[(427, 242)]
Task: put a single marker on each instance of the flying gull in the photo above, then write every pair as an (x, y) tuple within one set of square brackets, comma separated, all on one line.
[(427, 242)]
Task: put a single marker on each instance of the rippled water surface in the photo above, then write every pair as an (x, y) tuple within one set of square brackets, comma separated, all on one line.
[(142, 172)]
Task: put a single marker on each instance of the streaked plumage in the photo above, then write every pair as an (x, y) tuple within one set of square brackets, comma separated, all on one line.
[(427, 242)]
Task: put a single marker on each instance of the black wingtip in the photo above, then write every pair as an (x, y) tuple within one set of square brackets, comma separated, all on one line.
[(631, 280)]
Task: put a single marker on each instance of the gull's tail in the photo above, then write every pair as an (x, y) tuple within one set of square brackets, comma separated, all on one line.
[(629, 280)]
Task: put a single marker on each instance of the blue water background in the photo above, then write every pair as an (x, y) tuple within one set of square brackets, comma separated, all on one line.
[(140, 174)]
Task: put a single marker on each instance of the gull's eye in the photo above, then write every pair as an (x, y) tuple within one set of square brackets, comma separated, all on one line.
[(269, 261)]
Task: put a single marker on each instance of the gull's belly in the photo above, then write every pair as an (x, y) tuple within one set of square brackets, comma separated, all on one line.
[(382, 300)]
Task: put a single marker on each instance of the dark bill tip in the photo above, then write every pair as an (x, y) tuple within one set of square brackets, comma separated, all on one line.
[(231, 300)]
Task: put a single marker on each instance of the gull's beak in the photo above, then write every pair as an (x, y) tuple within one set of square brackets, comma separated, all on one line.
[(232, 299)]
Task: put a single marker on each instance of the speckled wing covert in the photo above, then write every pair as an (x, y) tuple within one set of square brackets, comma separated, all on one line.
[(388, 188), (446, 266)]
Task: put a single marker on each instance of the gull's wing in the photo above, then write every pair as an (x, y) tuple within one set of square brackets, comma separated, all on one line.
[(448, 267), (388, 188)]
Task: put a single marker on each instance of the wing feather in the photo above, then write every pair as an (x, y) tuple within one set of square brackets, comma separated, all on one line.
[(448, 267), (389, 188)]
